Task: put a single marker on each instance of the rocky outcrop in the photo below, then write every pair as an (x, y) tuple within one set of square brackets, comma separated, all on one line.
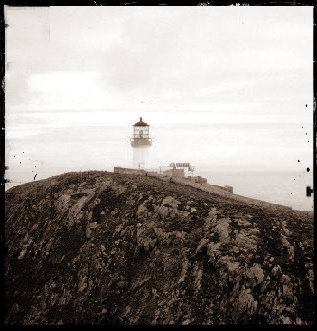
[(104, 248)]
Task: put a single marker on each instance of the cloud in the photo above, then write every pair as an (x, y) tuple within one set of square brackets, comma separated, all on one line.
[(171, 57)]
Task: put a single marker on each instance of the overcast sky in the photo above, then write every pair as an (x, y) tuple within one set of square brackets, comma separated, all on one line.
[(177, 57), (220, 86)]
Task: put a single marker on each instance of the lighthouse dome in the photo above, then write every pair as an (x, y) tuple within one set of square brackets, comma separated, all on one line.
[(140, 123)]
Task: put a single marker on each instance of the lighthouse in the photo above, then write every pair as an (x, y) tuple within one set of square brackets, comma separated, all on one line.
[(141, 143)]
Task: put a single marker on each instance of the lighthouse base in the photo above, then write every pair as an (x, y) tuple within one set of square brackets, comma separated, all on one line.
[(141, 157)]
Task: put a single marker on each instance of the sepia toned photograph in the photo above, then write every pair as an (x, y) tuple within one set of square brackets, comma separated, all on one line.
[(159, 165)]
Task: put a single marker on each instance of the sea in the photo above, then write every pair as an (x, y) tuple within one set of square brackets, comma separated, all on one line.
[(285, 188)]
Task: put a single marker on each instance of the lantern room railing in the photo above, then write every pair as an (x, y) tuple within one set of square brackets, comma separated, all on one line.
[(136, 141)]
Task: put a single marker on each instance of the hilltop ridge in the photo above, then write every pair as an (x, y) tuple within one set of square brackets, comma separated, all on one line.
[(106, 248)]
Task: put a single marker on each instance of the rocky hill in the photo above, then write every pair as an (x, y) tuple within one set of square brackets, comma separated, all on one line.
[(102, 248)]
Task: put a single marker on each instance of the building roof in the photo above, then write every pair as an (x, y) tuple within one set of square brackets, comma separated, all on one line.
[(140, 123)]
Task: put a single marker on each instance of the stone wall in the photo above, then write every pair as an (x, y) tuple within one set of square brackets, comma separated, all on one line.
[(175, 172), (198, 179), (128, 171)]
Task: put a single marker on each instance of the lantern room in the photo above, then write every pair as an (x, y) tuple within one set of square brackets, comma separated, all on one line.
[(141, 129), (141, 135)]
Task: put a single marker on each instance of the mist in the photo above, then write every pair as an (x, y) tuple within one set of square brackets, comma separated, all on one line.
[(230, 91)]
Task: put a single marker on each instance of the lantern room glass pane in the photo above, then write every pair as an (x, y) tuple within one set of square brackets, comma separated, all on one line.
[(141, 132)]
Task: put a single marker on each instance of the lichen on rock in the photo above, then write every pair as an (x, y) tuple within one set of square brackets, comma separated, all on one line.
[(104, 248)]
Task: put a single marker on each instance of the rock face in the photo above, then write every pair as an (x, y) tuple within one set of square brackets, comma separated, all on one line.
[(104, 248)]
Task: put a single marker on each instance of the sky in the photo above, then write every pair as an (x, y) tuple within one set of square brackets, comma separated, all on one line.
[(225, 88)]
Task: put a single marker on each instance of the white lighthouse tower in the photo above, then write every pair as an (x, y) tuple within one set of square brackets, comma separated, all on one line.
[(141, 143)]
